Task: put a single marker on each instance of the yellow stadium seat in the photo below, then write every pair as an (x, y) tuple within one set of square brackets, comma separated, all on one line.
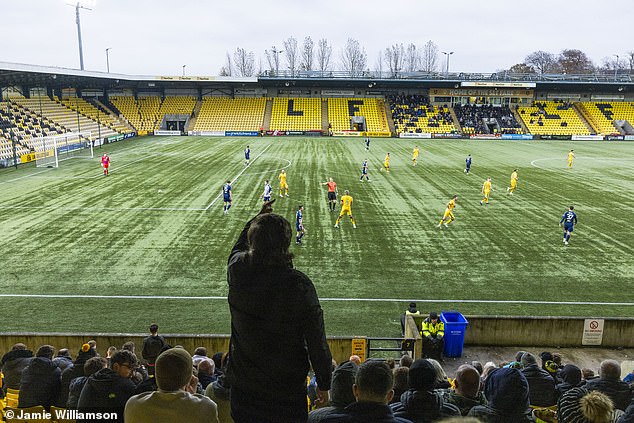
[(12, 397), (57, 411)]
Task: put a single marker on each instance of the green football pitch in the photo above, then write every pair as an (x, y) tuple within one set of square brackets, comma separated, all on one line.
[(86, 253)]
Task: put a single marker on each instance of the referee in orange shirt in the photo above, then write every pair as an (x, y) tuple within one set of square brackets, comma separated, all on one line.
[(332, 194)]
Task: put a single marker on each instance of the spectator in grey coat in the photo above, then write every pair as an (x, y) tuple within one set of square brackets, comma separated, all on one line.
[(609, 382)]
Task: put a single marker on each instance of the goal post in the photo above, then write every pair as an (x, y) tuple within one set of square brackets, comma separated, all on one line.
[(50, 150)]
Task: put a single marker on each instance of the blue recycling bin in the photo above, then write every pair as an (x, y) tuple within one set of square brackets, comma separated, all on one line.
[(455, 327)]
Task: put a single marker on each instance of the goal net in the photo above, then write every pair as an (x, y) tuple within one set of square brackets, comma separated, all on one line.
[(51, 150)]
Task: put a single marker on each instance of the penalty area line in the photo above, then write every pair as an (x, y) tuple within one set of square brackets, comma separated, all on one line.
[(238, 176), (326, 299)]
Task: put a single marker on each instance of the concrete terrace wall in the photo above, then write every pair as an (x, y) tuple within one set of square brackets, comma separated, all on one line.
[(482, 330)]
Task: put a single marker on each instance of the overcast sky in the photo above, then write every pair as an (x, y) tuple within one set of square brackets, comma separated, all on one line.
[(157, 37)]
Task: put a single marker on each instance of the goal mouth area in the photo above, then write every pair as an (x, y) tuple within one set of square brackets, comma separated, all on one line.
[(50, 150)]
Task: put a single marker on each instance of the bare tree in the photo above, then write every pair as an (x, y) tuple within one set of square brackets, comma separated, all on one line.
[(394, 56), (324, 52), (290, 50), (542, 61), (244, 62), (574, 61), (273, 59), (630, 60), (429, 58), (227, 68), (379, 64), (308, 54), (353, 57), (412, 58)]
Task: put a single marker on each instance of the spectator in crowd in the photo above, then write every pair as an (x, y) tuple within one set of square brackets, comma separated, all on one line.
[(466, 393), (406, 360), (442, 382), (93, 345), (152, 346), (271, 354), (570, 377), (111, 350), (433, 332), (391, 363), (200, 354), (206, 372), (77, 370), (578, 405), (541, 384), (411, 311), (401, 375), (609, 382), (92, 366), (460, 420), (63, 360), (129, 346), (41, 380), (587, 375), (549, 365), (506, 391), (219, 392), (355, 359), (13, 364), (218, 359), (478, 366), (488, 367), (373, 391), (108, 390), (341, 394), (420, 403), (176, 400)]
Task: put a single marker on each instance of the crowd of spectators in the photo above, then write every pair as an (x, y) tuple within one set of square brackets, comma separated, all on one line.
[(524, 389), (408, 110), (473, 119)]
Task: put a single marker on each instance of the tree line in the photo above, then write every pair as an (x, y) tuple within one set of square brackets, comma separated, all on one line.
[(291, 57)]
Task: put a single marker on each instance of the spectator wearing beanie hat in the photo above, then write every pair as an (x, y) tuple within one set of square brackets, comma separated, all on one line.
[(420, 403), (41, 380), (578, 405), (76, 370), (176, 400), (341, 394), (541, 385)]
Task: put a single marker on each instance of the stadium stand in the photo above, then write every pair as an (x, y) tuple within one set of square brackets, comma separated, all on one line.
[(61, 115), (486, 119), (296, 114), (98, 115), (413, 113), (19, 124), (603, 115), (142, 114), (340, 110), (552, 117), (224, 113)]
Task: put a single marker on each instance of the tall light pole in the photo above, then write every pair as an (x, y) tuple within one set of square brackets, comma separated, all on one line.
[(78, 6), (448, 54), (108, 59), (616, 66), (277, 52), (184, 66)]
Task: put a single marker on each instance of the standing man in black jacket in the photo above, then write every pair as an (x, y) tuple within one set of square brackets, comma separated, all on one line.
[(277, 327)]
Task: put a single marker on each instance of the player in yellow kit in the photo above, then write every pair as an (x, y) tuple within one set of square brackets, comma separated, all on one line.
[(283, 184), (571, 157), (448, 217), (386, 163), (514, 179), (346, 208), (486, 190), (415, 155)]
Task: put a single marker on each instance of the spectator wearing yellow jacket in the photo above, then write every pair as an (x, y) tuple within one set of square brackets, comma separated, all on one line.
[(433, 333)]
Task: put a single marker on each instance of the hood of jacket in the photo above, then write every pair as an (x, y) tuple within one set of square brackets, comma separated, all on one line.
[(420, 405), (42, 366), (507, 391), (570, 374)]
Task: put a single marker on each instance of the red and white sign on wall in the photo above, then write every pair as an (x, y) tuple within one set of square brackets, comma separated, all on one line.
[(592, 332)]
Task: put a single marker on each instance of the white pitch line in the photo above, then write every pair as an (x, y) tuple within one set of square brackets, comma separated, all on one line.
[(26, 176), (382, 300), (239, 174)]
